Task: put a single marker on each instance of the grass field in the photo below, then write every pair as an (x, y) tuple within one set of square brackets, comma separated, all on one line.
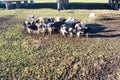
[(53, 57)]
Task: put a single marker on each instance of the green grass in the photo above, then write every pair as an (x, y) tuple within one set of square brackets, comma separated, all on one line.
[(53, 57)]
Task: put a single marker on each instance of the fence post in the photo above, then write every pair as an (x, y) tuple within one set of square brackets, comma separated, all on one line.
[(67, 4), (31, 1), (18, 4), (112, 3), (59, 5), (109, 2), (8, 5), (26, 3)]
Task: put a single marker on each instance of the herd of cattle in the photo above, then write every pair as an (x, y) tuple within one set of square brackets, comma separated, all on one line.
[(44, 25)]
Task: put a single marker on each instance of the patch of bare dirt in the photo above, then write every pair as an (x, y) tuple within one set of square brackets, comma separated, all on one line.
[(4, 20)]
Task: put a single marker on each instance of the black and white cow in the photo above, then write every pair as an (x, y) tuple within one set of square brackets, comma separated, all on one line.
[(30, 26), (24, 25), (82, 29), (69, 27), (54, 27), (42, 28)]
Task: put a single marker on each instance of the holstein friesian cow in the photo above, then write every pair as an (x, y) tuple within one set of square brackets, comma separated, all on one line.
[(54, 25), (60, 25), (68, 27), (50, 27), (29, 26), (82, 29), (24, 25), (50, 23), (41, 24), (32, 27), (44, 24), (42, 28)]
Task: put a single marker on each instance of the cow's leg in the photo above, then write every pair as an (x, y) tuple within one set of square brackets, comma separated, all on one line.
[(78, 34), (37, 32), (44, 31), (50, 30), (71, 34), (28, 30), (63, 33), (87, 35)]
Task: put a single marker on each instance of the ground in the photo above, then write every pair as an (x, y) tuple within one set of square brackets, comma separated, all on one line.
[(53, 57)]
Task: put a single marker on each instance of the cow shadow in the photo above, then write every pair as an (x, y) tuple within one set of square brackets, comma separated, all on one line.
[(98, 30), (107, 19)]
